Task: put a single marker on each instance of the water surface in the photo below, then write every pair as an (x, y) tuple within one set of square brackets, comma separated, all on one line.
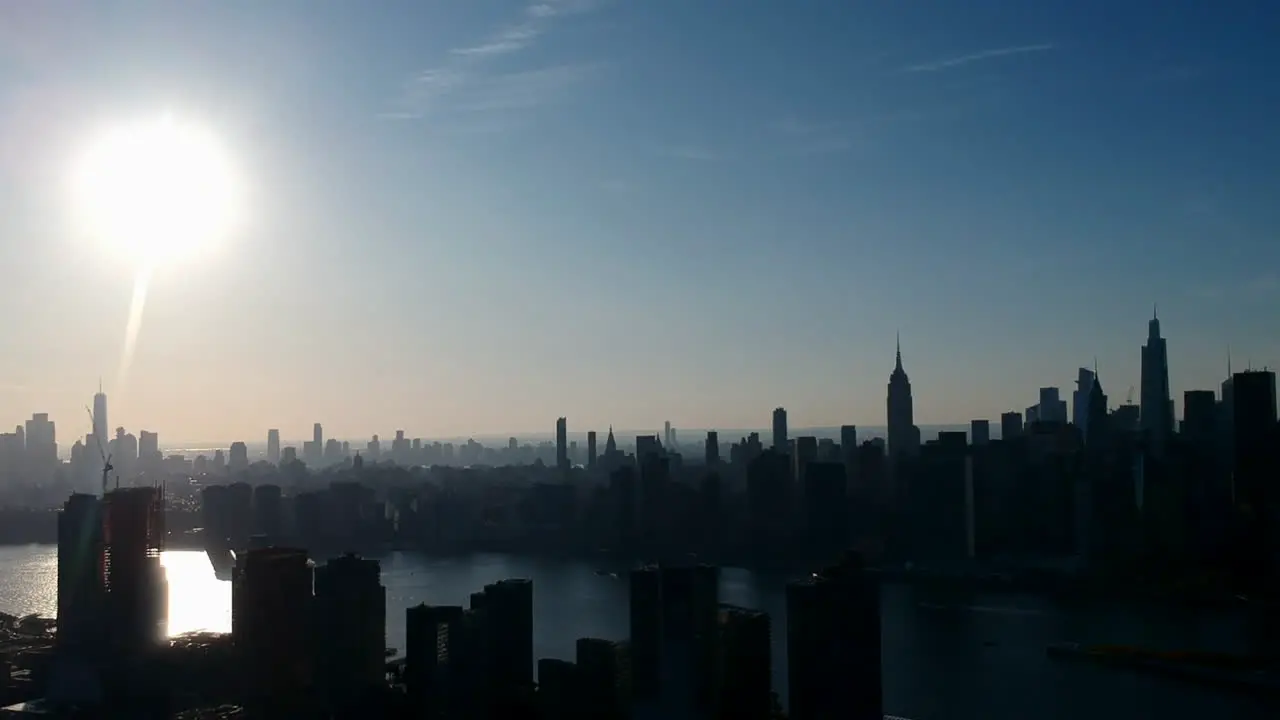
[(947, 656)]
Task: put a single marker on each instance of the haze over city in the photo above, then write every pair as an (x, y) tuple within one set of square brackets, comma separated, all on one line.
[(475, 217)]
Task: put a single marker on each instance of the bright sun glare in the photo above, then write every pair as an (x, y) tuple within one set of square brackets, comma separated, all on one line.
[(156, 190)]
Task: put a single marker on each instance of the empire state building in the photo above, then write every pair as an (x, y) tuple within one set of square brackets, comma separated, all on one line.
[(904, 437)]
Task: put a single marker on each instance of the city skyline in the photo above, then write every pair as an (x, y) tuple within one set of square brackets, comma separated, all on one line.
[(474, 218), (881, 426), (900, 414)]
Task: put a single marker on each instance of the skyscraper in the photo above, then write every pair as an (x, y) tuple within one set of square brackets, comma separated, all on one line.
[(239, 460), (742, 676), (1156, 420), (780, 430), (1010, 425), (351, 604), (562, 444), (1199, 417), (80, 591), (273, 446), (848, 439), (314, 452), (271, 595), (903, 438), (979, 432), (591, 449), (646, 631), (1080, 400), (833, 644), (100, 418)]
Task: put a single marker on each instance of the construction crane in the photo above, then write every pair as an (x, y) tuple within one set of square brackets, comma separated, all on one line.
[(102, 453)]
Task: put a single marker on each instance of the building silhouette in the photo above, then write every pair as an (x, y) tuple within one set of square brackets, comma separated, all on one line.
[(432, 637), (101, 438), (711, 451), (273, 446), (351, 620), (603, 679), (645, 608), (562, 445), (979, 432), (271, 629), (1080, 399), (743, 682), (780, 443), (1010, 425), (1156, 418), (80, 592), (134, 584), (833, 645), (904, 436)]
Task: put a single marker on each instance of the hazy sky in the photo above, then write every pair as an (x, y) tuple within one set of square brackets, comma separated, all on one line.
[(475, 216)]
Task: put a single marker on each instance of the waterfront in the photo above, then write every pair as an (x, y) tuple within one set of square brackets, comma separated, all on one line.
[(947, 655)]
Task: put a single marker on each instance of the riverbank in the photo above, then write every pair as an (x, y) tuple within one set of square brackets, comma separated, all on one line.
[(1233, 672)]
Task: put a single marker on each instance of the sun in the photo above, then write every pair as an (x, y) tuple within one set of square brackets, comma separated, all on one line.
[(156, 190)]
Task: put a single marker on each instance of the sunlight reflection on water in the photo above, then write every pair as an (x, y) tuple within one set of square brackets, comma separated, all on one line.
[(197, 599)]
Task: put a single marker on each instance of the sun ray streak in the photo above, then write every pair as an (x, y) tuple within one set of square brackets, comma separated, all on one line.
[(134, 325)]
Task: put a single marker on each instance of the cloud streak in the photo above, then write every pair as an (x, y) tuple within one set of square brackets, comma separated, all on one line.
[(954, 62), (465, 83), (799, 137)]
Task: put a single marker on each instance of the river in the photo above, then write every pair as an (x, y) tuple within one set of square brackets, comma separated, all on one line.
[(946, 656)]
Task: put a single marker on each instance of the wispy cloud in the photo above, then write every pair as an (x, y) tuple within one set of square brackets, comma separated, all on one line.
[(978, 57), (695, 153), (801, 137), (465, 82)]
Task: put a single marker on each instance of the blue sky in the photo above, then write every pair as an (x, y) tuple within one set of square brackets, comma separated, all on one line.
[(473, 217)]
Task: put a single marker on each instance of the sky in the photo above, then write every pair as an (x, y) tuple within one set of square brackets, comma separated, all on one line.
[(472, 217)]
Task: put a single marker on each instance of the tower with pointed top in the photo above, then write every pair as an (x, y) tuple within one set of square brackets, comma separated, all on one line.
[(903, 439), (1095, 429), (1156, 413), (100, 419)]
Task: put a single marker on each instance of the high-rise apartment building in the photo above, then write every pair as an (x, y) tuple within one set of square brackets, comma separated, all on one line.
[(833, 645), (743, 672), (270, 627), (351, 610)]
